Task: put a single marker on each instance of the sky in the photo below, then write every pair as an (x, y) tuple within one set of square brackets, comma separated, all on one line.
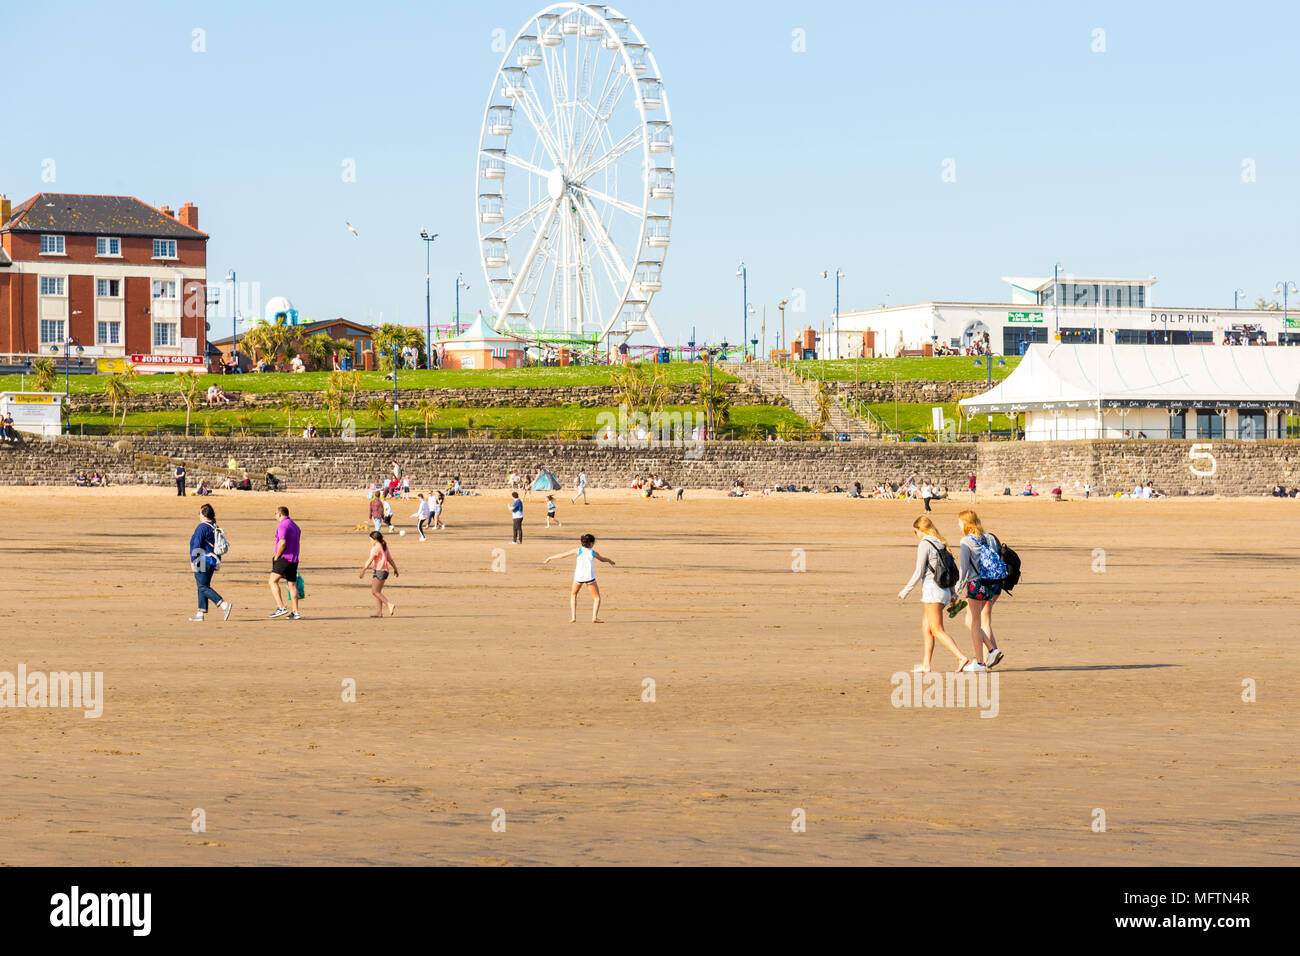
[(925, 149)]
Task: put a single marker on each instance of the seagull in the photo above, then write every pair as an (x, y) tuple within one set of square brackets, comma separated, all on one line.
[(352, 229)]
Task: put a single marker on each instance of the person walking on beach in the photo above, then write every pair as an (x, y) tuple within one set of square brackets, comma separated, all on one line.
[(284, 565), (376, 510), (388, 513), (550, 512), (204, 562), (516, 518), (982, 573), (581, 485), (934, 597), (422, 516), (379, 564), (971, 485), (927, 492), (584, 572), (437, 511), (180, 480)]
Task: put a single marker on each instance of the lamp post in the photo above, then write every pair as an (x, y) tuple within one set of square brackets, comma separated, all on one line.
[(395, 354), (783, 343), (1056, 296), (743, 275), (1235, 294), (1284, 286), (428, 301), (460, 284), (989, 360), (234, 314), (838, 276)]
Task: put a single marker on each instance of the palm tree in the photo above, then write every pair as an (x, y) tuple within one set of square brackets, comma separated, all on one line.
[(332, 399), (245, 422), (207, 426), (824, 403), (46, 373), (641, 386), (289, 402), (426, 410), (119, 394), (721, 402), (189, 389), (379, 408)]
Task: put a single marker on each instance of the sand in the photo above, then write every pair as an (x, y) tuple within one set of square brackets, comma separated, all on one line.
[(1121, 691)]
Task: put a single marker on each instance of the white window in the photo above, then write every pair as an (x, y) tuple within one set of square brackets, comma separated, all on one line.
[(52, 246), (164, 248), (163, 289), (164, 333), (108, 333), (52, 285), (108, 246), (51, 331), (108, 288)]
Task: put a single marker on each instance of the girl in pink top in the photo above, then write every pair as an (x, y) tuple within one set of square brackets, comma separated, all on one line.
[(379, 564)]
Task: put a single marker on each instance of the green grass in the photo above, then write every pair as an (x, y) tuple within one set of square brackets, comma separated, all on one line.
[(915, 417), (674, 373), (570, 417), (946, 368)]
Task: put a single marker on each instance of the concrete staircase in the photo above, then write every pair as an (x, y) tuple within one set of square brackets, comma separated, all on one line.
[(774, 380)]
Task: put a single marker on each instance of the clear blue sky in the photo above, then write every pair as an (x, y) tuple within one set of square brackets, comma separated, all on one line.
[(1127, 162)]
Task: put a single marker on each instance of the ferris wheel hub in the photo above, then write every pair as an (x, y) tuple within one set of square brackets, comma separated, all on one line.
[(556, 182)]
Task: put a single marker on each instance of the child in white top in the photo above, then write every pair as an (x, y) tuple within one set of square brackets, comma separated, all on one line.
[(422, 516), (584, 572)]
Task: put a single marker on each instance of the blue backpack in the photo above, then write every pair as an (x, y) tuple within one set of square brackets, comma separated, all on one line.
[(989, 560)]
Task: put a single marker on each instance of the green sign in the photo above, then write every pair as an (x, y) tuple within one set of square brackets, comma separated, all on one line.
[(1024, 317), (1292, 323)]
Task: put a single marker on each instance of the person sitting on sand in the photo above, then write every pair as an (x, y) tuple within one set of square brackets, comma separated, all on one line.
[(97, 480), (81, 481), (204, 488)]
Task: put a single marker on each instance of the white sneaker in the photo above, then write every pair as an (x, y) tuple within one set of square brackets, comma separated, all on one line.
[(974, 667), (279, 612), (197, 617), (226, 608), (995, 658)]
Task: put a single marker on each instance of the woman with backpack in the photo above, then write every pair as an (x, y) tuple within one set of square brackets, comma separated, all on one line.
[(982, 574), (207, 545), (936, 577)]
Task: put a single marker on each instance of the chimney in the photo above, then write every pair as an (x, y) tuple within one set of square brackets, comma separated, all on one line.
[(5, 209), (190, 215), (167, 211)]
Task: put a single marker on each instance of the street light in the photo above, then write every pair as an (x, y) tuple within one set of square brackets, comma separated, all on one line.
[(460, 284), (745, 308), (978, 363), (783, 343), (1235, 294), (428, 302), (395, 389), (234, 302), (1056, 296), (1283, 287), (838, 276)]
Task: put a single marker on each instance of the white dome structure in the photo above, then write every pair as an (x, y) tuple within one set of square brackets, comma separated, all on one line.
[(276, 306)]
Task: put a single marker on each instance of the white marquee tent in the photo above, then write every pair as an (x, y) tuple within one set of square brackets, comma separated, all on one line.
[(1231, 391)]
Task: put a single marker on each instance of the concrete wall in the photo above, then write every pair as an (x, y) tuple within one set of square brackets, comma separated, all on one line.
[(1239, 468)]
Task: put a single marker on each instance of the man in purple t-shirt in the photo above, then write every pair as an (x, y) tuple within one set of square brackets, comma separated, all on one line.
[(284, 565)]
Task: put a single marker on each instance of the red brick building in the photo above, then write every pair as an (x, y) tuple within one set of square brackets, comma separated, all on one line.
[(113, 274)]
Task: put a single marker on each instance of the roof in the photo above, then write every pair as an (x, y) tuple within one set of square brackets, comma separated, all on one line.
[(1078, 376), (480, 331), (312, 328), (68, 213), (1040, 284)]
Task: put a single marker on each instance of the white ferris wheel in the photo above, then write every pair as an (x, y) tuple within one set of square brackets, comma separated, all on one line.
[(575, 177)]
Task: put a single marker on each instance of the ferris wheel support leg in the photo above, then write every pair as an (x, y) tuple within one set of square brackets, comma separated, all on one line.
[(528, 261), (610, 253)]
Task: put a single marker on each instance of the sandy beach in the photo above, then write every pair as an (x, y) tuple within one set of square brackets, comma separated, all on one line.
[(1121, 690)]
